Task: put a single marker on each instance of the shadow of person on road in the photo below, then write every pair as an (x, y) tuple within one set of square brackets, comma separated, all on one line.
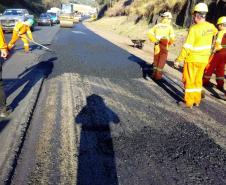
[(28, 78), (171, 64), (96, 161), (146, 68), (212, 89), (3, 124), (171, 89)]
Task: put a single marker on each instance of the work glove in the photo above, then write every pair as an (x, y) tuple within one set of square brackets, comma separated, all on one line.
[(4, 53), (176, 64)]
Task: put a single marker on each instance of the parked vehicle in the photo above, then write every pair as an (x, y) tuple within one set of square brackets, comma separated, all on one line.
[(45, 19), (10, 17), (54, 17)]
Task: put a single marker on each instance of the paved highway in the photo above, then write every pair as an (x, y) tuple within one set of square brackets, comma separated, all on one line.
[(98, 121)]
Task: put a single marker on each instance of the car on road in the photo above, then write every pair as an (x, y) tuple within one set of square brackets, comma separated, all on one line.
[(10, 17), (54, 17), (45, 19)]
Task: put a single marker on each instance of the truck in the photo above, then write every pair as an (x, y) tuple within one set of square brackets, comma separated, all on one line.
[(10, 17), (67, 15)]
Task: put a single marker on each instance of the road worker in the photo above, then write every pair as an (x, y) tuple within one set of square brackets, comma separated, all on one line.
[(20, 30), (4, 54), (217, 63), (195, 54), (162, 35)]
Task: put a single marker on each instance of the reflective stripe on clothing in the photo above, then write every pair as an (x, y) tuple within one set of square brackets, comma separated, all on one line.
[(219, 78), (201, 48), (205, 76), (193, 90), (198, 43), (161, 31), (192, 78), (158, 69)]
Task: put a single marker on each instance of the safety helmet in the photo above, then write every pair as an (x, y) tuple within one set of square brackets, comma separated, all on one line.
[(201, 7), (167, 15), (29, 22), (221, 20)]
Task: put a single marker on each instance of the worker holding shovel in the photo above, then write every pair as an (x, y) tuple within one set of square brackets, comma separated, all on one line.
[(22, 30)]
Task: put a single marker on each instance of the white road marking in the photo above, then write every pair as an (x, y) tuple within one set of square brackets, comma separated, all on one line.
[(79, 32)]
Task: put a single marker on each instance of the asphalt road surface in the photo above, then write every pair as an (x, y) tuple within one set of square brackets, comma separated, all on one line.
[(99, 122)]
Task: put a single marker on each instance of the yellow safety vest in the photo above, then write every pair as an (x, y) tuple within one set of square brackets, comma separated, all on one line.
[(3, 44), (220, 41), (198, 45), (161, 31)]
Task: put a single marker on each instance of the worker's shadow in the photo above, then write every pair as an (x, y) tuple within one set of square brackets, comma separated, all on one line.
[(3, 124), (146, 68), (171, 64), (172, 88), (211, 88), (28, 79), (96, 160)]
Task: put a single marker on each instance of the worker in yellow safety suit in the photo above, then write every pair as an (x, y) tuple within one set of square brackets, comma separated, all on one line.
[(4, 54), (162, 35), (20, 30), (217, 62), (195, 53)]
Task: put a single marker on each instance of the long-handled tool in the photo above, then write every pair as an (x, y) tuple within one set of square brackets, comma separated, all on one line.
[(38, 44)]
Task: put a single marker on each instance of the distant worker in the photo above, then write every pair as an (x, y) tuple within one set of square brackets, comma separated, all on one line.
[(20, 30), (4, 54), (217, 63), (195, 54), (162, 35)]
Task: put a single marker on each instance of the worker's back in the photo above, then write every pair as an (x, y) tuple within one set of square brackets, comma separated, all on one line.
[(199, 42)]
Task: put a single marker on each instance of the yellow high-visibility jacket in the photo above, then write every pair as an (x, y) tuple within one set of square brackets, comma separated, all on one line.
[(220, 41), (198, 45), (3, 44), (22, 28), (162, 32)]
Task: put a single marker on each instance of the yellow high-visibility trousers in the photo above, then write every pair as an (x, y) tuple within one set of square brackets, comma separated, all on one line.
[(192, 79), (15, 37)]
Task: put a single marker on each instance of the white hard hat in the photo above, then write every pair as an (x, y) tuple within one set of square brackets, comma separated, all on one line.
[(167, 15), (200, 7)]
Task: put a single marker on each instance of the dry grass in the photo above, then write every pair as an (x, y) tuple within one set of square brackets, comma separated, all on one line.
[(145, 8), (122, 25)]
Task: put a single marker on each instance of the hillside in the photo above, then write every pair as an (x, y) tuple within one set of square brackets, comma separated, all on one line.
[(34, 6), (150, 10)]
